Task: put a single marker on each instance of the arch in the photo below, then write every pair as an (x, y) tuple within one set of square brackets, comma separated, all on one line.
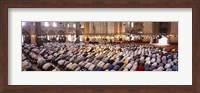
[(51, 32), (25, 32), (61, 32), (43, 32)]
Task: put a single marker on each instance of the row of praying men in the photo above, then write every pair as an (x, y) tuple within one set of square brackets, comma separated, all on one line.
[(97, 57)]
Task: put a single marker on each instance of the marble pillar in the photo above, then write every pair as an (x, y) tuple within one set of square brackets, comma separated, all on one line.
[(38, 29)]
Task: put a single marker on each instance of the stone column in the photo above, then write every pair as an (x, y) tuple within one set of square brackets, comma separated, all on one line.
[(91, 28), (66, 31), (38, 29), (174, 28), (86, 27), (78, 32), (101, 27), (118, 27), (156, 27), (32, 32), (111, 27), (148, 30), (105, 30), (115, 27), (173, 31)]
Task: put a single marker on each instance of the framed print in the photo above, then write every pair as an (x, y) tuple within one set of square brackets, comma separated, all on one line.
[(100, 46), (113, 48)]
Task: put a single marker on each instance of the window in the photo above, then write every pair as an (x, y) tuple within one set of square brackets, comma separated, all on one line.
[(23, 23), (54, 24), (46, 24), (74, 25), (132, 24)]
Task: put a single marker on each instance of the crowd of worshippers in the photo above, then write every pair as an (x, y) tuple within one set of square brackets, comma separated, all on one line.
[(97, 57)]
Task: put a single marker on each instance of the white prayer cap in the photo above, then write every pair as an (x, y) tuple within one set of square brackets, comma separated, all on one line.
[(155, 70), (148, 62), (102, 64), (129, 66), (50, 57), (78, 68), (91, 67), (153, 60), (106, 65), (56, 69), (132, 62), (160, 68), (26, 64), (155, 64), (61, 62), (68, 65), (175, 60), (167, 65), (88, 65), (99, 63), (40, 60), (158, 60), (126, 69), (46, 66), (148, 59), (169, 60), (169, 69), (74, 66)]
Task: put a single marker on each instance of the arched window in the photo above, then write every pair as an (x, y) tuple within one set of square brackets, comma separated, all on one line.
[(54, 24), (23, 23), (46, 24), (74, 25), (132, 24)]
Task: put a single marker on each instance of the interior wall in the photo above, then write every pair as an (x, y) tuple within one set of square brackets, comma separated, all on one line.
[(174, 31), (107, 29)]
